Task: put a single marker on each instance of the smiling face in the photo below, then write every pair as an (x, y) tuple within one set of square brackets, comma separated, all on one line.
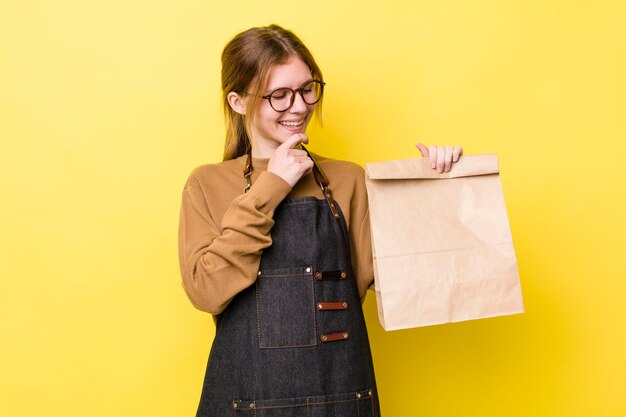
[(271, 128)]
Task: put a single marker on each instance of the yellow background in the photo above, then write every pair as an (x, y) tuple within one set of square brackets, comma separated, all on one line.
[(106, 106)]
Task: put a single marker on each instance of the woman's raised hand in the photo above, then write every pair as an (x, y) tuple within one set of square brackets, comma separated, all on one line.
[(441, 157), (288, 163)]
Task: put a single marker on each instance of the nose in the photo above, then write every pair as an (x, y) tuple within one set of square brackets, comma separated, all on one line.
[(299, 106)]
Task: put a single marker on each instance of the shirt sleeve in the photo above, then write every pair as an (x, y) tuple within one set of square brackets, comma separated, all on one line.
[(217, 261), (360, 237)]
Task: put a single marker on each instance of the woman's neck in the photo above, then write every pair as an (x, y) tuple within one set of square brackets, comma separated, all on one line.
[(263, 151)]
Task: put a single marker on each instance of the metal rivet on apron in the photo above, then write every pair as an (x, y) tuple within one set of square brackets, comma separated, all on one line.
[(259, 273), (343, 274), (318, 276), (345, 305), (324, 338), (320, 306), (308, 269), (336, 215), (234, 404), (252, 405), (345, 335), (369, 392), (358, 395)]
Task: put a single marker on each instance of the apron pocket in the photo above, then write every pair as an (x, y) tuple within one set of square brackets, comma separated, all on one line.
[(352, 404), (285, 308)]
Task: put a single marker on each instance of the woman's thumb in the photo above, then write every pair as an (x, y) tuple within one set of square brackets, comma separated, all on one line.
[(423, 149)]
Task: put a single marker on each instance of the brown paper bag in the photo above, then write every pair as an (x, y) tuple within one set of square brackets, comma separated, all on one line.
[(441, 242)]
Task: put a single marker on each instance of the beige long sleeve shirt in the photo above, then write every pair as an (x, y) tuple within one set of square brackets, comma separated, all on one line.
[(223, 231)]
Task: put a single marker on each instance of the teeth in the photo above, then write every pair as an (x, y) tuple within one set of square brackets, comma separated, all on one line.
[(292, 124)]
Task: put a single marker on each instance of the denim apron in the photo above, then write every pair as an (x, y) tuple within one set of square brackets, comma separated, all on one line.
[(295, 344)]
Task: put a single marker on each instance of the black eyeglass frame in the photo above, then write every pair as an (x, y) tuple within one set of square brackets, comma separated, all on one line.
[(300, 90)]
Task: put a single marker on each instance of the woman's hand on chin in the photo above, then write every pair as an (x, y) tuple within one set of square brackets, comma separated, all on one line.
[(288, 163)]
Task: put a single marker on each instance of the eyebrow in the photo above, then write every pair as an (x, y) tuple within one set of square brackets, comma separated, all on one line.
[(278, 88)]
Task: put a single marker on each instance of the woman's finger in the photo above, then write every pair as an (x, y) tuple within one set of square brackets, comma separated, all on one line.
[(441, 154), (296, 159), (297, 152), (423, 149), (448, 159), (308, 165), (432, 153), (293, 140), (458, 151)]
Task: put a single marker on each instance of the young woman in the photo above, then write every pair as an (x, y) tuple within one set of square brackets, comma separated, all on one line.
[(275, 243)]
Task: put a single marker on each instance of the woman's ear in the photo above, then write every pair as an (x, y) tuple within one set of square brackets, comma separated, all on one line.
[(236, 102)]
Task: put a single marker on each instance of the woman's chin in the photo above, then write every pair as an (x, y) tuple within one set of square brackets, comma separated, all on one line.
[(287, 131)]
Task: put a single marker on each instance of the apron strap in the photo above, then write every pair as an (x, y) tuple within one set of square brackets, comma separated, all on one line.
[(322, 180), (318, 174)]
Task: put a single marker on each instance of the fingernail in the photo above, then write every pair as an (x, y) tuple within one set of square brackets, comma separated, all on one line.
[(433, 165)]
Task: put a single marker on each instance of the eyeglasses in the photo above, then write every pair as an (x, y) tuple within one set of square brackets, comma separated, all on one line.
[(282, 99)]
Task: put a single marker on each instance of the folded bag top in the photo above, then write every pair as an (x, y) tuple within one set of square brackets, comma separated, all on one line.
[(413, 168)]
